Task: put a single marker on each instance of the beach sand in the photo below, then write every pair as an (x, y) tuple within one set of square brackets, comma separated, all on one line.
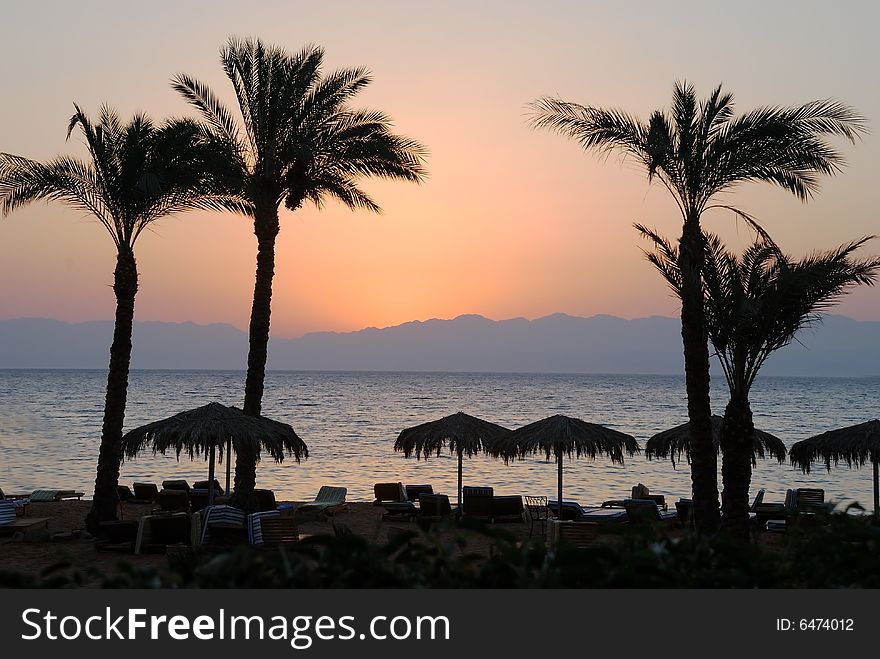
[(32, 558)]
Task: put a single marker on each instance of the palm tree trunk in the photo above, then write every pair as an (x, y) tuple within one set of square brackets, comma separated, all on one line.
[(266, 229), (737, 440), (105, 501), (704, 465)]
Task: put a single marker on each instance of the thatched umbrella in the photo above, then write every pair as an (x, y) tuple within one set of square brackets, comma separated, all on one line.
[(462, 433), (854, 445), (207, 429), (560, 436), (674, 442)]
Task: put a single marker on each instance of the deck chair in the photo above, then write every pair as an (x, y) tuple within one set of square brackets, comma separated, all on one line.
[(684, 511), (176, 484), (254, 525), (10, 524), (44, 496), (537, 512), (327, 501), (124, 493), (117, 536), (571, 510), (641, 511), (477, 502), (199, 498), (808, 499), (145, 493), (413, 492), (20, 501), (279, 531), (173, 501), (578, 535), (393, 498), (265, 500), (204, 485), (434, 506), (223, 525), (508, 508), (388, 493), (163, 531)]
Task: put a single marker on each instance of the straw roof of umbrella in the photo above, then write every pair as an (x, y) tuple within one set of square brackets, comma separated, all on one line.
[(675, 442), (854, 445), (565, 435), (195, 431), (460, 432)]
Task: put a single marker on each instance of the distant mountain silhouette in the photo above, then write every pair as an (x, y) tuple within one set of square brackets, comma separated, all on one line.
[(840, 346)]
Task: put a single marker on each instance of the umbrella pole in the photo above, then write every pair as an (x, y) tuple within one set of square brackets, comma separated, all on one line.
[(211, 477), (876, 488), (460, 509), (228, 463), (559, 484)]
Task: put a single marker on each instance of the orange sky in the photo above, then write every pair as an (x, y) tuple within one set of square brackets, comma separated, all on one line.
[(511, 222)]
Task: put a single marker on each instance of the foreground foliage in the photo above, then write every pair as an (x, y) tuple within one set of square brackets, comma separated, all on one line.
[(823, 551)]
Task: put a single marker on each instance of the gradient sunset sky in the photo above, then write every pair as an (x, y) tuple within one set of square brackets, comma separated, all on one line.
[(511, 222)]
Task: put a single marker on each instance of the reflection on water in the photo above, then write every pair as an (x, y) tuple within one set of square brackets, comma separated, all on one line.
[(50, 425)]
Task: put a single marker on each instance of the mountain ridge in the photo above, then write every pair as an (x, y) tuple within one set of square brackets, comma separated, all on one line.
[(555, 343)]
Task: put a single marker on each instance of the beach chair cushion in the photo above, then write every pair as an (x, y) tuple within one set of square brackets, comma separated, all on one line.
[(7, 512), (44, 495), (255, 525)]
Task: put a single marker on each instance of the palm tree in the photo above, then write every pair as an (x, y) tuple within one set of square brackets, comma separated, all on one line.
[(137, 172), (698, 151), (296, 140), (755, 305)]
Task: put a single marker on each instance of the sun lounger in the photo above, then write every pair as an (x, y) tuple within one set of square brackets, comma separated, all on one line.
[(328, 499), (388, 493), (279, 531), (646, 511), (176, 484), (145, 493), (118, 536), (20, 501), (44, 496), (572, 511), (204, 485), (405, 510), (265, 500), (198, 498), (508, 508), (157, 532), (124, 493), (434, 506), (477, 502), (223, 525), (808, 499), (173, 501), (579, 535), (11, 524), (254, 525), (413, 492)]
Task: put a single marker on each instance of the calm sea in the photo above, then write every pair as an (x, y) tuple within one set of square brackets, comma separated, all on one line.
[(50, 423)]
